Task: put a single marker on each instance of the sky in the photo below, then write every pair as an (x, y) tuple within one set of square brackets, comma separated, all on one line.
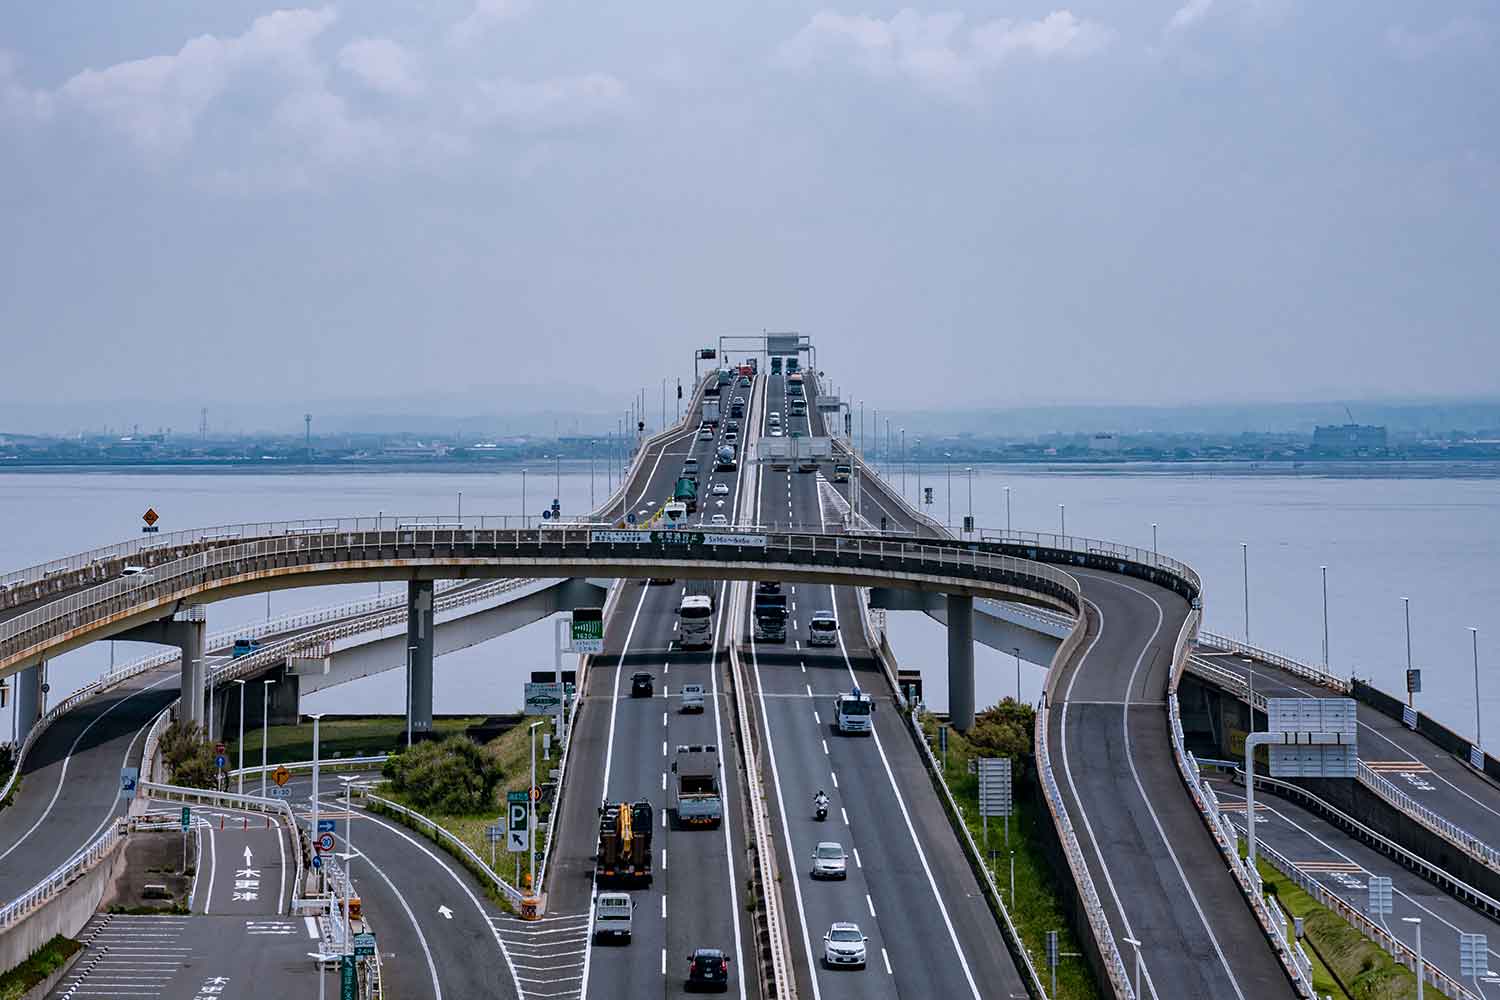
[(993, 204)]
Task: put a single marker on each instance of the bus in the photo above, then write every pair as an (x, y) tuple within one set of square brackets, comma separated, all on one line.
[(695, 627)]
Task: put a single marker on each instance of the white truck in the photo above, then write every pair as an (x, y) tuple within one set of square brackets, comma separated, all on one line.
[(711, 412), (853, 711)]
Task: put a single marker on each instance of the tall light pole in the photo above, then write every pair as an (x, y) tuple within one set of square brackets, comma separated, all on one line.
[(240, 684), (1062, 514), (348, 780), (1017, 650), (1007, 509), (948, 473), (411, 652), (265, 730), (531, 810), (460, 506), (1416, 923), (1153, 542), (903, 462), (1245, 563), (1137, 946), (312, 832), (969, 472), (592, 504), (1406, 609), (1478, 729), (525, 510), (1325, 618)]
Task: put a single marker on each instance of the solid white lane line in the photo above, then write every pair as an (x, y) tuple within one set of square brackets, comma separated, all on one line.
[(734, 903), (845, 814), (834, 775), (887, 960), (870, 903), (825, 748)]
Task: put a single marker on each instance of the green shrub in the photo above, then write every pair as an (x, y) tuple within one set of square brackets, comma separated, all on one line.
[(454, 777)]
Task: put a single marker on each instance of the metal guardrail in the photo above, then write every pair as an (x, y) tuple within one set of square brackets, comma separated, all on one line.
[(306, 765), (440, 833), (1293, 666), (63, 875), (760, 821), (1392, 945), (29, 634), (935, 770), (1475, 847)]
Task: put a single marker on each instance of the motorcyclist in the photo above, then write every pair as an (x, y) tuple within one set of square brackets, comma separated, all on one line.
[(820, 801)]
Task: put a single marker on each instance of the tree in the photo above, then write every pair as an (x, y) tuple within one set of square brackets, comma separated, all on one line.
[(1004, 730), (189, 756), (454, 777)]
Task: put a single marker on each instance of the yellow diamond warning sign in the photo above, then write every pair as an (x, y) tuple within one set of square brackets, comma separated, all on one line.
[(150, 517)]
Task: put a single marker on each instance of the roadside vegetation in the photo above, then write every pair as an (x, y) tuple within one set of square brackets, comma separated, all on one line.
[(462, 785), (1005, 730), (43, 962), (1346, 964), (352, 737), (189, 756)]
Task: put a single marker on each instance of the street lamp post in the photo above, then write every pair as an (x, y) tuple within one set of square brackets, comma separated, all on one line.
[(1137, 946), (531, 811), (1478, 729), (1062, 513), (903, 461), (592, 504), (1153, 541), (969, 473), (240, 788), (1406, 609), (460, 506), (1007, 509), (1421, 969), (1325, 618), (265, 730), (1017, 650), (312, 832), (948, 488), (525, 510), (1245, 563), (411, 652)]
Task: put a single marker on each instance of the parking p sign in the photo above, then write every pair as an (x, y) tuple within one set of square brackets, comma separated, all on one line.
[(518, 811)]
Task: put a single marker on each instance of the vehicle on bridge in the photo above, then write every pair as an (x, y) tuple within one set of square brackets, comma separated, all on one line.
[(841, 472), (823, 630), (724, 459), (829, 861), (708, 968), (614, 913), (710, 412), (852, 712), (244, 647), (770, 615), (799, 407), (696, 795), (642, 684), (725, 377), (844, 944), (692, 698), (674, 511), (776, 366), (625, 842), (695, 626), (686, 494)]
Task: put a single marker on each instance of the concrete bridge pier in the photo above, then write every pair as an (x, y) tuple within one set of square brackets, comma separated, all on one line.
[(419, 648), (28, 700), (186, 633), (961, 662)]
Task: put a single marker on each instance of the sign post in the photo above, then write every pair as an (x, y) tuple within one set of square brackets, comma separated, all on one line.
[(995, 793), (1309, 738), (150, 517), (187, 821), (518, 810)]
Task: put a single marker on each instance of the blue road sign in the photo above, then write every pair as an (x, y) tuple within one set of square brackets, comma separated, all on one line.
[(317, 862), (630, 518), (327, 826), (219, 762), (128, 778), (546, 514)]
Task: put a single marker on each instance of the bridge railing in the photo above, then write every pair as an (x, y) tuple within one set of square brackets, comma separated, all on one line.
[(63, 875), (439, 832), (178, 581), (1295, 667)]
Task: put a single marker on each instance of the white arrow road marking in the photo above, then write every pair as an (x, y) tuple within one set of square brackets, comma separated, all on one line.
[(247, 855), (446, 913)]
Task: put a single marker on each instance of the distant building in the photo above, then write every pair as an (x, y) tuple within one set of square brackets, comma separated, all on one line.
[(1104, 442), (1349, 438)]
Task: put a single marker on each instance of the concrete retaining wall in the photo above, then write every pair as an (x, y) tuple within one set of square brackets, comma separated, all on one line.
[(65, 913), (44, 987)]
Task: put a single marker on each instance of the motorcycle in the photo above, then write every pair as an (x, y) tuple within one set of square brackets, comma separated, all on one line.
[(820, 811)]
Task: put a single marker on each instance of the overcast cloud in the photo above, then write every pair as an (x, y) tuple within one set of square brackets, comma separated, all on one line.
[(973, 205)]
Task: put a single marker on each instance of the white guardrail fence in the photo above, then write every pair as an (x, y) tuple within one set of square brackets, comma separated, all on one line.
[(1383, 787), (63, 875)]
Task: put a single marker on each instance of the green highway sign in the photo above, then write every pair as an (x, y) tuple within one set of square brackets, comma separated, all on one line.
[(348, 988), (364, 944), (187, 817), (588, 630)]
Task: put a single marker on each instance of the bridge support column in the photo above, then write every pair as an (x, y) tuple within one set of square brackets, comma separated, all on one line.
[(961, 662), (186, 634), (28, 700), (419, 636)]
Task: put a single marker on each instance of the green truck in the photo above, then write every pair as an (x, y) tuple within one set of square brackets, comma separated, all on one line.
[(687, 494)]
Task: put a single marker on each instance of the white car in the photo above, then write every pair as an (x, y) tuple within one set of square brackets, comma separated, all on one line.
[(844, 944), (776, 432), (719, 489), (829, 860), (719, 519)]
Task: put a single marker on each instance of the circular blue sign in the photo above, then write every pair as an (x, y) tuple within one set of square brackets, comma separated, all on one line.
[(629, 518), (546, 515), (219, 762), (317, 862)]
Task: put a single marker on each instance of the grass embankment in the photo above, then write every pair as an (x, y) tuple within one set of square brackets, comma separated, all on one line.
[(1038, 904), (43, 962), (338, 738), (511, 755), (1345, 963)]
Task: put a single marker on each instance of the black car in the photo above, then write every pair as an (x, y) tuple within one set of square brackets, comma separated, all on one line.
[(641, 684), (768, 587), (708, 968)]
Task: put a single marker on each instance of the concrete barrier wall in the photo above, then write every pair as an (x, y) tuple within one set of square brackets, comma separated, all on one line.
[(65, 913), (1429, 727)]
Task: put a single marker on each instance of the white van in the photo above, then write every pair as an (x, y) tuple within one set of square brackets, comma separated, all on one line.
[(613, 912), (692, 698)]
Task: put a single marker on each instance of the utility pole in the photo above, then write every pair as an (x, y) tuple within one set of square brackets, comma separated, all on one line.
[(1245, 563), (307, 434), (1406, 608)]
